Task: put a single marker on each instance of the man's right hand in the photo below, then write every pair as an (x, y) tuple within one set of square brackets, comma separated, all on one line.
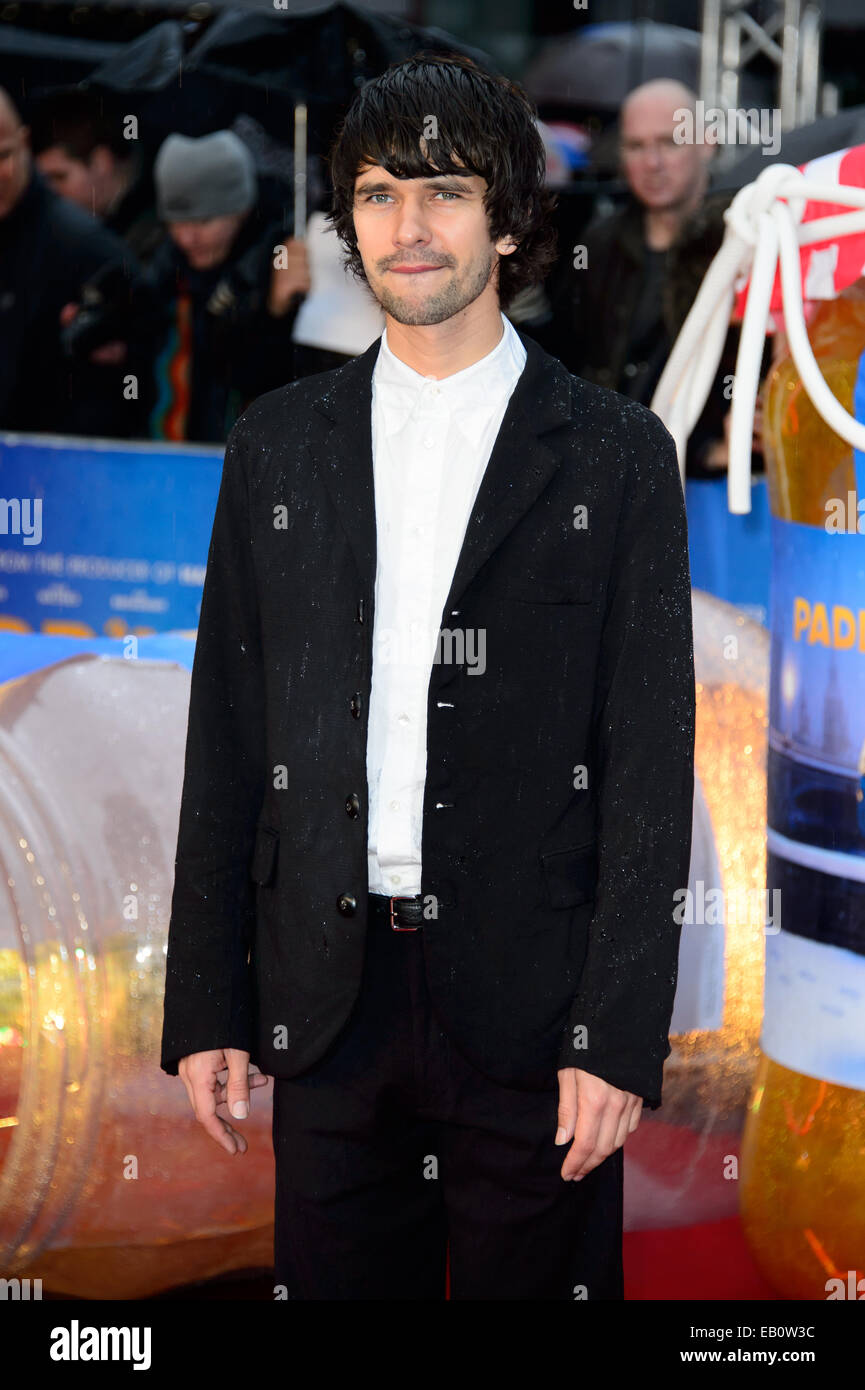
[(200, 1075)]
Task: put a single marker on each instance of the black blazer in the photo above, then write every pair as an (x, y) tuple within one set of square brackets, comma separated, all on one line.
[(549, 892)]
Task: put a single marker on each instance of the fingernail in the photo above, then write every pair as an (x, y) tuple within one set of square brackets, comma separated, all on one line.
[(560, 1135), (240, 1109)]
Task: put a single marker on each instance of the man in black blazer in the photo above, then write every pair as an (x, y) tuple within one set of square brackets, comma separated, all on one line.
[(433, 895)]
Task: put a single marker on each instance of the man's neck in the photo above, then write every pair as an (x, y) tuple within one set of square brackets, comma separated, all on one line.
[(661, 226), (117, 189), (24, 188), (440, 349)]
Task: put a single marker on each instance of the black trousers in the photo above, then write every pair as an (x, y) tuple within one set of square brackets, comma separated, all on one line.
[(393, 1150)]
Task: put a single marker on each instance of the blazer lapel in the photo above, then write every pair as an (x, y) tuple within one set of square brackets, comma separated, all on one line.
[(520, 465), (340, 440)]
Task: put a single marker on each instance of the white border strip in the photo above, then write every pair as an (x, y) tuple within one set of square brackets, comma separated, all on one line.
[(826, 861)]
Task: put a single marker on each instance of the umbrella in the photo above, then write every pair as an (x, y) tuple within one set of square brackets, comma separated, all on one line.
[(32, 63), (600, 64), (264, 63), (150, 68), (798, 146), (334, 46)]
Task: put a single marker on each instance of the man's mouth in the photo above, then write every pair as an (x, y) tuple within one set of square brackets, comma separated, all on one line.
[(414, 269)]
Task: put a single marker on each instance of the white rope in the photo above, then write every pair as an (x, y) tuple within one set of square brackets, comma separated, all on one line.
[(748, 359), (761, 231)]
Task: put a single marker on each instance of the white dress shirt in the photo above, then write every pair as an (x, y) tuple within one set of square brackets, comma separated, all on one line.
[(431, 442)]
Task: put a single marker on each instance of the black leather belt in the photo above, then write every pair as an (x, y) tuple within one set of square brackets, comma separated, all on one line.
[(401, 914)]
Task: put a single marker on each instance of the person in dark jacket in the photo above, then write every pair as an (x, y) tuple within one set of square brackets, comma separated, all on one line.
[(438, 910), (230, 285), (49, 250), (620, 302), (93, 157)]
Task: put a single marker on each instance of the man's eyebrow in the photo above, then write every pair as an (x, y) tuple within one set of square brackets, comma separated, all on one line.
[(450, 182)]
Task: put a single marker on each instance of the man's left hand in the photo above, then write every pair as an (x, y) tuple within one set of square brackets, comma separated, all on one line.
[(597, 1116)]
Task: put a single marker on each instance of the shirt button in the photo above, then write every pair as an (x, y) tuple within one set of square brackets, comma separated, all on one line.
[(428, 442), (395, 878), (394, 805), (404, 719)]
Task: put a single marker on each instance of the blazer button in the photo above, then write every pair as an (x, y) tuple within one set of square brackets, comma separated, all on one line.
[(352, 805), (346, 904), (356, 704)]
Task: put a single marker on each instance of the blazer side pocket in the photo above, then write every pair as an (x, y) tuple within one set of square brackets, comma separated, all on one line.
[(571, 874), (264, 852)]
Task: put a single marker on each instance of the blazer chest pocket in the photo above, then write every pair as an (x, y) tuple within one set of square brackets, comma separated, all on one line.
[(574, 589), (263, 860), (571, 874)]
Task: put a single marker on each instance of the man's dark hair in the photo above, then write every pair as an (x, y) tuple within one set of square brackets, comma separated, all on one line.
[(485, 126), (78, 122)]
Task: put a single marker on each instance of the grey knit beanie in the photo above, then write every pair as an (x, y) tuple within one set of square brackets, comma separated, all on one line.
[(205, 177)]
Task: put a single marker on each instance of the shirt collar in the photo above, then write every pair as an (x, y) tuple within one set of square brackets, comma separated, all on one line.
[(471, 395)]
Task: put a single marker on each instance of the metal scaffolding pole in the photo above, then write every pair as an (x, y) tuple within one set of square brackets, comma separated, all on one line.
[(789, 35)]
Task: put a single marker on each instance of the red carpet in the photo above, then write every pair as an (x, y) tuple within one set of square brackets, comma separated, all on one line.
[(691, 1262), (705, 1261)]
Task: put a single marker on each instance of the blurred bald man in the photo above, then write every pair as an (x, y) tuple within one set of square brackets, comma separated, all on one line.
[(667, 176), (49, 249), (617, 316)]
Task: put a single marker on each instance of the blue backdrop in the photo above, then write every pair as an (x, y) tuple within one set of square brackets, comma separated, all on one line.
[(100, 539), (125, 530)]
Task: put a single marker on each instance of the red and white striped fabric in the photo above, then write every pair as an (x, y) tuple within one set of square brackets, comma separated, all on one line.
[(828, 267)]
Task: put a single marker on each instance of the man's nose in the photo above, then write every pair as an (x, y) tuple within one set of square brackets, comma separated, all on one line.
[(411, 226)]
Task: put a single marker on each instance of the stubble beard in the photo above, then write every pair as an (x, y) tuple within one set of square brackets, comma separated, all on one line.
[(456, 295)]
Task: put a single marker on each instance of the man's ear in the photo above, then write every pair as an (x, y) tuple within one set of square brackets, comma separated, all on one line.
[(506, 246)]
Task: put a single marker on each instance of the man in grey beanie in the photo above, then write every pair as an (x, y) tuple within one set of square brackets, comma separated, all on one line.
[(226, 337), (204, 189)]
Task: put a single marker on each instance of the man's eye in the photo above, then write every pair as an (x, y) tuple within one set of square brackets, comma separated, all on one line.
[(372, 197), (446, 193)]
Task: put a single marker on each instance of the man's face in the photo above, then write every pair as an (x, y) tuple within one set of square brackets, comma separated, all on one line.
[(14, 164), (660, 173), (69, 177), (207, 241), (425, 243)]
